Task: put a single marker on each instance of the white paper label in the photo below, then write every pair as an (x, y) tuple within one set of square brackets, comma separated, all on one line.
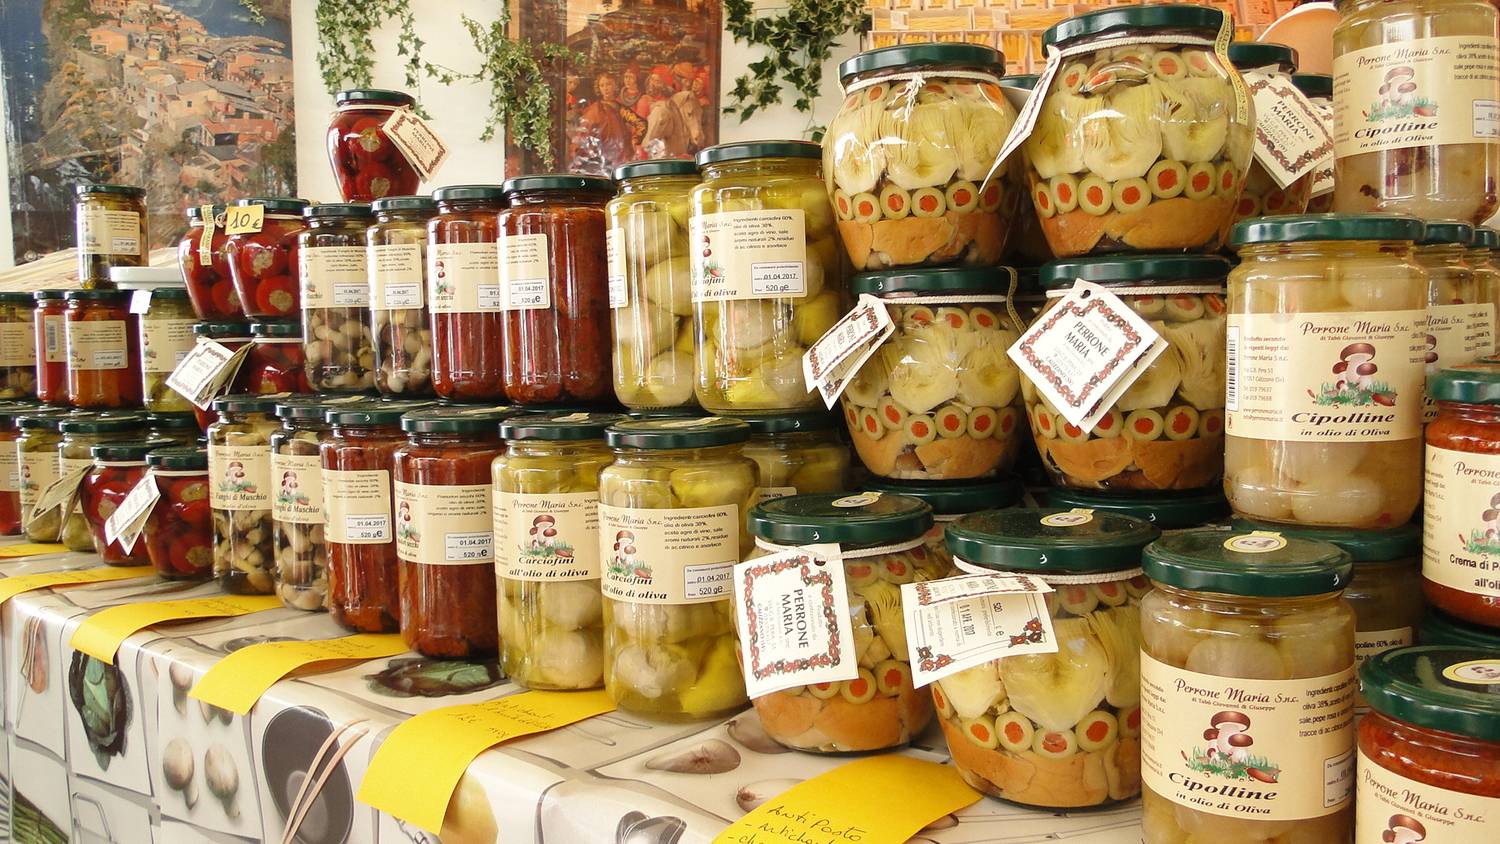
[(851, 341), (960, 622), (525, 272), (395, 271), (63, 492), (1291, 137), (792, 610), (614, 251), (124, 525), (206, 371)]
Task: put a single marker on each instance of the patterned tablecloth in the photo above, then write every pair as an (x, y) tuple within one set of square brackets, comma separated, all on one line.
[(589, 783)]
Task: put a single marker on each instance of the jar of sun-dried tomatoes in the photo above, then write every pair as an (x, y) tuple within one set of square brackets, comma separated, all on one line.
[(179, 535), (203, 257), (1461, 509), (554, 286), (10, 466), (463, 293), (118, 467), (444, 535), (104, 354), (232, 336), (276, 362), (264, 263), (336, 298), (51, 345), (366, 164)]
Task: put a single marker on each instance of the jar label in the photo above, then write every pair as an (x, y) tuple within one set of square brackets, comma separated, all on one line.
[(525, 272), (17, 344), (299, 489), (1452, 338), (334, 277), (444, 525), (165, 343), (38, 470), (1325, 377), (97, 344), (10, 468), (749, 254), (547, 537), (358, 506), (1390, 807), (463, 278), (1269, 750), (102, 231), (54, 336), (395, 271), (614, 253), (239, 477), (1368, 643), (680, 556), (1482, 328), (1291, 139), (1416, 93), (792, 609), (1461, 521)]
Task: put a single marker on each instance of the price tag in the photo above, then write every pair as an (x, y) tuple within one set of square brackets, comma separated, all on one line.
[(794, 613), (244, 219), (237, 681), (101, 634), (960, 622), (851, 341), (413, 774), (206, 237), (129, 519), (13, 586), (416, 140), (62, 492), (207, 371)]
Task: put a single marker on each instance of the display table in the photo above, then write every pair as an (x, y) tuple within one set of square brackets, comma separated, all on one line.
[(106, 781)]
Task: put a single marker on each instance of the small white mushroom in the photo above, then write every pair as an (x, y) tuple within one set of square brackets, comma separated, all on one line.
[(182, 680), (177, 769), (223, 777), (713, 756), (752, 795)]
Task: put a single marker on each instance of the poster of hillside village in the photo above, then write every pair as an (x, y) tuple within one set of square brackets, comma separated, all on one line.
[(191, 98)]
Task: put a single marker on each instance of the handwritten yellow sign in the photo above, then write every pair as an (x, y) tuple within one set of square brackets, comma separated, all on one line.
[(102, 633), (244, 219), (836, 807), (31, 549), (237, 681), (415, 771), (13, 586)]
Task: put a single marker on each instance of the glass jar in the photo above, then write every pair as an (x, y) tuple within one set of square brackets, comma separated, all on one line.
[(1429, 754), (763, 204), (463, 293), (1027, 247), (232, 336), (117, 469), (907, 159), (203, 257), (335, 280), (104, 351), (366, 163), (1461, 509), (554, 288), (111, 230), (277, 360), (1407, 69), (363, 579), (444, 531), (1324, 423), (239, 472), (1262, 196), (263, 264), (297, 524), (179, 534), (36, 452), (49, 324), (797, 453), (1318, 89), (674, 500), (1480, 257), (1438, 629), (939, 400), (1247, 689), (951, 502), (1054, 730), (165, 326), (1456, 333), (10, 466), (1164, 510), (17, 346), (180, 428), (1139, 147), (650, 284), (546, 520), (396, 249), (75, 455), (1166, 432)]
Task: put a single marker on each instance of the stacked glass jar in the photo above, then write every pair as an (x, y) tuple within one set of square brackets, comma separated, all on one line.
[(203, 257), (339, 352), (165, 325), (112, 230), (1262, 194), (263, 264), (239, 471), (463, 293), (396, 249)]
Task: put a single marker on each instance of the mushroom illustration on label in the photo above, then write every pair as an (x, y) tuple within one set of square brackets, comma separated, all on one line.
[(1403, 829), (235, 478), (1228, 751), (1485, 540), (404, 528), (1354, 380), (291, 493), (543, 539), (1398, 97), (624, 562)]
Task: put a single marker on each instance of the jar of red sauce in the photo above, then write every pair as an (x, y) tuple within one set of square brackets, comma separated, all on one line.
[(276, 362), (51, 346), (264, 263), (232, 336), (10, 466), (554, 285), (1429, 751), (366, 164), (104, 350), (203, 257), (118, 467), (1461, 505), (463, 293), (179, 535), (444, 530)]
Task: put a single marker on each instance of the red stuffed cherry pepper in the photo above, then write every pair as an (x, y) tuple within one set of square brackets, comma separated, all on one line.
[(118, 467), (203, 257)]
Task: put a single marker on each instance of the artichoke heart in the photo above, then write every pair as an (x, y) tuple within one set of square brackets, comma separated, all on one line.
[(973, 691), (1056, 690), (1054, 146), (1156, 386), (1119, 631), (988, 378), (883, 601), (1200, 348), (1123, 139)]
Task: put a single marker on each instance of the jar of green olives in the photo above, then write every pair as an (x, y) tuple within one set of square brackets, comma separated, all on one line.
[(166, 319), (37, 454), (80, 433), (112, 230), (240, 492), (797, 453)]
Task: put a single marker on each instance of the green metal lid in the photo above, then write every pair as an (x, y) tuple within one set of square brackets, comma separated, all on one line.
[(21, 297), (462, 193), (1295, 228), (1249, 55), (387, 204), (1205, 20), (1314, 84), (1362, 546), (48, 294), (656, 167), (455, 420), (171, 421), (1024, 81), (1485, 238), (862, 519), (951, 279), (1439, 629), (1469, 383), (195, 212), (1122, 269), (1260, 564), (1447, 232), (1166, 510), (558, 427), (174, 294), (373, 412), (10, 411), (1050, 540), (373, 95), (560, 182), (180, 459), (127, 451), (919, 55), (276, 204), (99, 295), (277, 328), (102, 423), (667, 413), (42, 419), (724, 153), (250, 402), (1452, 688), (785, 423), (337, 210), (122, 190), (955, 498), (313, 408), (695, 432)]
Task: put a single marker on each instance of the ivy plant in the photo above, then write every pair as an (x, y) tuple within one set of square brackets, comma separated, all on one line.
[(797, 42), (345, 49)]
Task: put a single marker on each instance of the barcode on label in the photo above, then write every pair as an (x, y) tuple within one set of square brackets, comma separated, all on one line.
[(1232, 369)]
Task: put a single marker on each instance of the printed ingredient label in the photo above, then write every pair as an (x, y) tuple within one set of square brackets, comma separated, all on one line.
[(1416, 93), (357, 506), (239, 477), (299, 489), (1368, 643), (97, 344), (525, 272), (1390, 807), (463, 278), (444, 525), (38, 470), (792, 610), (960, 622), (1291, 139), (105, 232), (54, 337), (396, 278), (614, 255), (1326, 377), (165, 343), (1482, 328), (334, 277), (749, 254), (17, 344), (1461, 521), (547, 537), (10, 468), (1271, 750), (683, 556)]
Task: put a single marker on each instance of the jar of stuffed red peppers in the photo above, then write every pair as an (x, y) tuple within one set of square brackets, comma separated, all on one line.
[(396, 249), (36, 454), (48, 318), (10, 466), (1460, 505), (363, 593), (17, 346), (263, 264), (75, 458), (203, 257), (463, 293), (239, 473), (104, 358), (165, 325), (444, 526), (232, 336), (180, 428), (179, 536), (366, 163), (277, 360), (340, 355), (111, 231), (117, 469)]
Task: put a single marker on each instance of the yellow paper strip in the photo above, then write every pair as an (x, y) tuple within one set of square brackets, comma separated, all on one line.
[(237, 681), (102, 633), (13, 586), (415, 771), (31, 549), (843, 804)]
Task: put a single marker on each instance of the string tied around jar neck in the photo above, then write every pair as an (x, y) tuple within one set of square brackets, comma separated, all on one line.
[(922, 76), (850, 553), (1146, 289), (1054, 578)]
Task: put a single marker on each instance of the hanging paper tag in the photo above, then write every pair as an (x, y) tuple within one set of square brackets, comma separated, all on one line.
[(206, 237), (793, 612), (140, 301), (960, 622), (1322, 180), (1291, 138), (13, 586), (207, 371), (237, 681), (244, 219), (416, 140), (101, 634), (1087, 348), (845, 347), (62, 492), (125, 524)]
